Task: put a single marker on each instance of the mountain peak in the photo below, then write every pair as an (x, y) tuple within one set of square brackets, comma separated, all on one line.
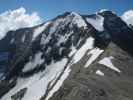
[(71, 57), (106, 11), (71, 17)]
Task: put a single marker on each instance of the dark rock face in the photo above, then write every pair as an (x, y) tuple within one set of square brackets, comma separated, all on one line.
[(55, 42), (120, 33)]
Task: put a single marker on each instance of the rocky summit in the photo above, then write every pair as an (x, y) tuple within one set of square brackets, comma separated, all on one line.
[(71, 57)]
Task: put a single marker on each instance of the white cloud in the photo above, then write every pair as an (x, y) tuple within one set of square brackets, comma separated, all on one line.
[(15, 19), (128, 17)]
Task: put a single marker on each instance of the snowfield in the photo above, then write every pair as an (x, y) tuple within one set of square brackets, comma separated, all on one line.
[(38, 83)]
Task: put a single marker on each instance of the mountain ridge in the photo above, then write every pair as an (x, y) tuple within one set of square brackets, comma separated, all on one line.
[(46, 59)]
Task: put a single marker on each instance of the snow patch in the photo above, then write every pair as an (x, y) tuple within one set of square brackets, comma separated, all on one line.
[(59, 83), (107, 62), (34, 63), (97, 22), (55, 24), (78, 20), (46, 38), (23, 38), (99, 72), (95, 53), (39, 30), (12, 40), (103, 10), (38, 89), (81, 52), (63, 38), (73, 51), (21, 83), (38, 83)]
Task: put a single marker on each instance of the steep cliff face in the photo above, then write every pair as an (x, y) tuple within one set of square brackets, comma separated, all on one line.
[(72, 57)]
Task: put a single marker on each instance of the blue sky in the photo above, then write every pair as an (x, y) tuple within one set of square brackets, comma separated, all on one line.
[(49, 9)]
